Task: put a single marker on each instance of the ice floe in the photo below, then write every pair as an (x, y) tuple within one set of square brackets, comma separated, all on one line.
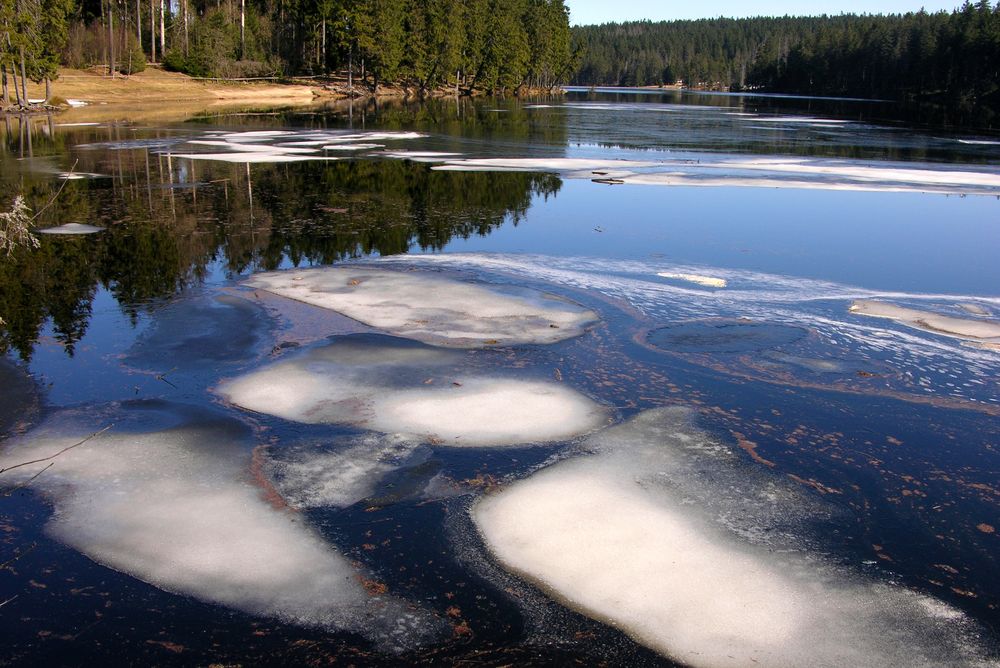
[(166, 496), (71, 229), (697, 279), (663, 533), (980, 330), (431, 307), (770, 172), (251, 157), (399, 386)]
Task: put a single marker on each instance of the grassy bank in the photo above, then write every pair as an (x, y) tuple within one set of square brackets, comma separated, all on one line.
[(157, 92)]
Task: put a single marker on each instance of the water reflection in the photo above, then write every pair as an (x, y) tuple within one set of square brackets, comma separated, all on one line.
[(171, 221)]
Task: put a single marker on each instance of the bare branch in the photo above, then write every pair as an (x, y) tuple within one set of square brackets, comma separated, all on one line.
[(69, 447)]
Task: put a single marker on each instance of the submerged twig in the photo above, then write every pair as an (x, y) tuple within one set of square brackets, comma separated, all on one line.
[(7, 563), (28, 481), (67, 448), (58, 192)]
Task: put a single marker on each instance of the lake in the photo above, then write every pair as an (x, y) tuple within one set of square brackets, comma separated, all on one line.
[(621, 377)]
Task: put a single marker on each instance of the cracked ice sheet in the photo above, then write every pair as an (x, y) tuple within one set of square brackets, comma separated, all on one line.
[(397, 386), (433, 308), (661, 533), (175, 508), (712, 170)]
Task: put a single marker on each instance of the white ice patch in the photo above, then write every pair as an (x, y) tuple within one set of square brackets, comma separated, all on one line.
[(697, 279), (987, 331), (248, 157), (352, 147), (820, 306), (395, 387), (433, 308), (780, 172), (419, 156), (71, 229), (654, 534), (253, 148), (176, 508)]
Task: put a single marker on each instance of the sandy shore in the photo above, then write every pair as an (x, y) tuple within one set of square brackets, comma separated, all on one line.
[(158, 94)]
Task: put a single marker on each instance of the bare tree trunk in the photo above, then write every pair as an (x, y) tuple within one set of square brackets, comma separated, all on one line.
[(324, 45), (24, 79), (111, 39), (17, 89), (184, 18), (163, 32), (138, 23), (152, 30), (48, 90), (243, 29), (6, 91)]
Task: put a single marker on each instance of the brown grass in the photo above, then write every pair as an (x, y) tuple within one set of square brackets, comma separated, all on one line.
[(155, 94)]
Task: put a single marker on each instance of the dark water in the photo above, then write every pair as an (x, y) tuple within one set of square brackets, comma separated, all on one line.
[(893, 429)]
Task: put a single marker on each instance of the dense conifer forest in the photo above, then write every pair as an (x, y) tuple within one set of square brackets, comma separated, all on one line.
[(941, 56), (469, 44)]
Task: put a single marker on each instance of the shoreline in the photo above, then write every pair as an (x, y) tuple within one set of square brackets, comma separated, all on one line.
[(156, 94)]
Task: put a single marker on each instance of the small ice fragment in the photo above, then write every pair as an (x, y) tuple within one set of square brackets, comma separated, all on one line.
[(707, 281), (71, 229)]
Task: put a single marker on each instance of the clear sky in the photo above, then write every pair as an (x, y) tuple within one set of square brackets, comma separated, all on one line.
[(584, 12)]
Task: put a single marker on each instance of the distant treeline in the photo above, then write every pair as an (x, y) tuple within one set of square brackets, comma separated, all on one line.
[(947, 56), (470, 44)]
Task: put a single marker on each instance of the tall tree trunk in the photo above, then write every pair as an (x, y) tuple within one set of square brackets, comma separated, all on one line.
[(48, 90), (138, 23), (152, 30), (324, 45), (17, 89), (243, 29), (184, 18), (24, 79), (6, 91), (163, 31), (111, 39)]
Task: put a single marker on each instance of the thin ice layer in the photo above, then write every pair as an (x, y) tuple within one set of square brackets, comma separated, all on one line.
[(396, 386), (964, 328), (176, 508), (661, 534), (338, 475), (698, 169), (433, 308)]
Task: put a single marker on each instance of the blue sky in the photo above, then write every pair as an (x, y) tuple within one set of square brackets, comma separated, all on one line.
[(583, 12)]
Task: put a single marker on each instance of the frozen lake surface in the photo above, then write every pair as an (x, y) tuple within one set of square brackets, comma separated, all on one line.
[(639, 378)]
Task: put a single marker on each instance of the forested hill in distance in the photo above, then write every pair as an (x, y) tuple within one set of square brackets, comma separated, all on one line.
[(945, 57)]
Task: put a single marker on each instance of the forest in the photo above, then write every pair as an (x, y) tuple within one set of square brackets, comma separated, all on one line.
[(943, 56), (471, 45)]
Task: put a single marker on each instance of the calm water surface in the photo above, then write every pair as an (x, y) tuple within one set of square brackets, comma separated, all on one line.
[(891, 429)]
